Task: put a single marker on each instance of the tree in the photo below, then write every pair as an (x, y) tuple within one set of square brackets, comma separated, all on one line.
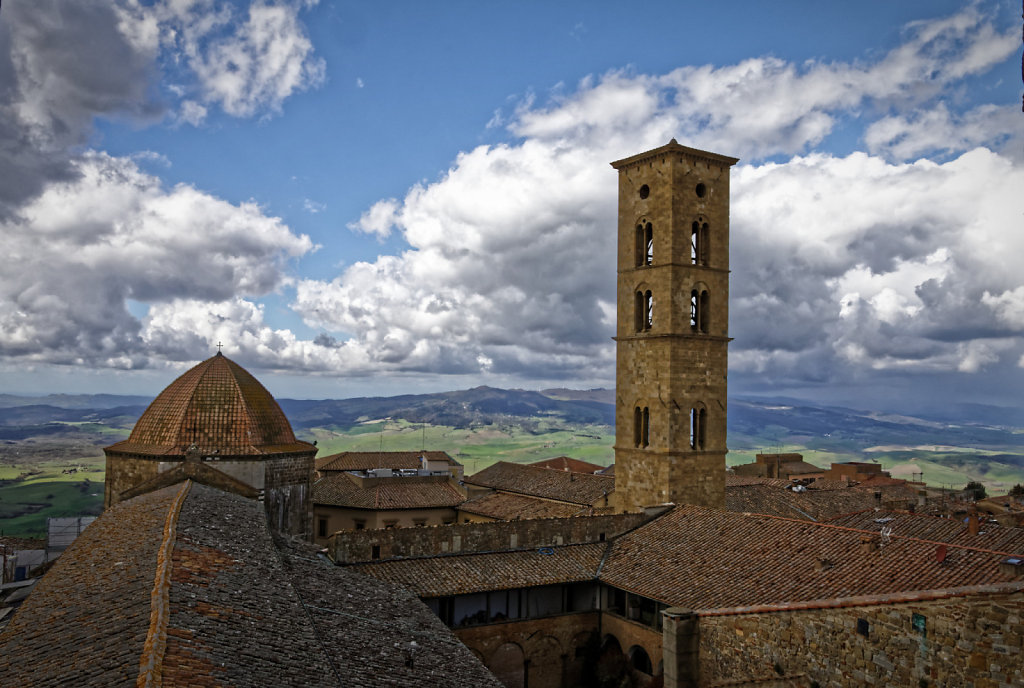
[(1017, 490), (975, 490)]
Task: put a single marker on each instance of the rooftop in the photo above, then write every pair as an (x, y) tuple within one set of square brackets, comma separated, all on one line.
[(564, 486), (509, 507), (566, 463), (354, 492), (187, 584), (773, 497), (468, 573), (362, 461), (220, 408)]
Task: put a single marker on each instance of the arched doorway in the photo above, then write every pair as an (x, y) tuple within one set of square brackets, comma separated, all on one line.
[(507, 663)]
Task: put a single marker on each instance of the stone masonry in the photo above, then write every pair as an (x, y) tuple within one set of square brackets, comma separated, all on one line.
[(673, 327)]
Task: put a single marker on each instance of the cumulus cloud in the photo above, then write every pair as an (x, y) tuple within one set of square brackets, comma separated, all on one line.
[(840, 264), (82, 248), (84, 232), (244, 66)]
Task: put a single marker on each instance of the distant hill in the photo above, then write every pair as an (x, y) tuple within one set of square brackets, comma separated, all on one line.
[(753, 422)]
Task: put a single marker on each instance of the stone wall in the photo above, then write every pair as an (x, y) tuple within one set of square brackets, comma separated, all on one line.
[(971, 639), (288, 493), (125, 472), (357, 546), (550, 652)]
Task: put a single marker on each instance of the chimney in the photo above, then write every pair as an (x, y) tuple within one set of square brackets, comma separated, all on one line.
[(868, 543), (681, 648), (973, 522)]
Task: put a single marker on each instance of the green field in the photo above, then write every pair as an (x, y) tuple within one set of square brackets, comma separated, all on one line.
[(475, 448), (29, 494)]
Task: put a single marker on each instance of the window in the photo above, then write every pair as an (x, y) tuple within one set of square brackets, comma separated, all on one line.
[(321, 527), (375, 552), (360, 523), (644, 244), (419, 522), (699, 243), (391, 523), (641, 426), (699, 301), (643, 309), (698, 427)]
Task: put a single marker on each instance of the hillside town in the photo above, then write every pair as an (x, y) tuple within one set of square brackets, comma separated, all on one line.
[(229, 554)]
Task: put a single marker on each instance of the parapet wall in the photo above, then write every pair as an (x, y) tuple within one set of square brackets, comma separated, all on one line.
[(349, 547)]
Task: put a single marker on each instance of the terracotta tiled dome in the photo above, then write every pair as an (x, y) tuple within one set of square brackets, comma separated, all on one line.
[(219, 407)]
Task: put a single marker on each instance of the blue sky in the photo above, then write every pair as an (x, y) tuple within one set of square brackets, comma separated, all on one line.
[(377, 198)]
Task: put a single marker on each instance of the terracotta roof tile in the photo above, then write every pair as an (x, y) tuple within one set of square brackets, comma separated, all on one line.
[(565, 486), (702, 558), (565, 463), (242, 610), (467, 573), (771, 496), (219, 407), (421, 492), (362, 461), (991, 536), (505, 506)]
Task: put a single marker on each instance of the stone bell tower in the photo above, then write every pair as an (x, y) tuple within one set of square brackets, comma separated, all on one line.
[(673, 327)]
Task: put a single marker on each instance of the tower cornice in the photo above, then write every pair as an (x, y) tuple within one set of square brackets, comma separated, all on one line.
[(671, 147)]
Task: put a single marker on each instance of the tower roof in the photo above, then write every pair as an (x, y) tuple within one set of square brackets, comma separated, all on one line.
[(217, 406), (674, 146)]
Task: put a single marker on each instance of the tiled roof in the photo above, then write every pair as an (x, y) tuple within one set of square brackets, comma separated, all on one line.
[(701, 558), (505, 506), (565, 463), (467, 573), (230, 607), (565, 486), (934, 528), (344, 490), (770, 496), (219, 407), (361, 461)]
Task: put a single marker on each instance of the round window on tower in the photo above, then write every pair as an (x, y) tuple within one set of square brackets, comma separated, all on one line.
[(701, 190), (645, 191)]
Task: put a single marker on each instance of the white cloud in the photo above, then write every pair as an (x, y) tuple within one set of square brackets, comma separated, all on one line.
[(311, 206), (245, 67), (938, 130), (83, 248), (1008, 307), (192, 113), (839, 263)]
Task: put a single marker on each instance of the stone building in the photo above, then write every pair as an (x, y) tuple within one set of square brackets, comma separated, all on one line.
[(673, 327), (217, 417), (507, 491)]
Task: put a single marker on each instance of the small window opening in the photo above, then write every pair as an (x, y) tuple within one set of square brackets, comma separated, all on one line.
[(699, 243), (375, 552), (645, 435), (321, 527), (643, 311), (648, 310), (645, 191), (699, 300), (360, 524), (641, 426), (644, 244), (701, 190), (698, 427)]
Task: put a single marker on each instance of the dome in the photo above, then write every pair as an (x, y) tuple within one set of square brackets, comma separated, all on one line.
[(218, 406)]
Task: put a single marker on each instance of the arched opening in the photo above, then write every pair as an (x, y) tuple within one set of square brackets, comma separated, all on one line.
[(699, 301), (641, 426), (640, 660), (643, 310), (612, 664), (699, 242), (644, 244), (508, 664), (698, 427), (546, 663)]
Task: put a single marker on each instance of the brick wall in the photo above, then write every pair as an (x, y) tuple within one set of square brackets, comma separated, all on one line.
[(356, 546), (972, 640)]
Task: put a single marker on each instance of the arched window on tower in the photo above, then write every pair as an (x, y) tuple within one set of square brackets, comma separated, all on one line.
[(644, 244), (699, 243), (641, 426), (699, 314), (643, 310), (698, 427)]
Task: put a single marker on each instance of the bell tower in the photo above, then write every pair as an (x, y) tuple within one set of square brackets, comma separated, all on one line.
[(672, 335)]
